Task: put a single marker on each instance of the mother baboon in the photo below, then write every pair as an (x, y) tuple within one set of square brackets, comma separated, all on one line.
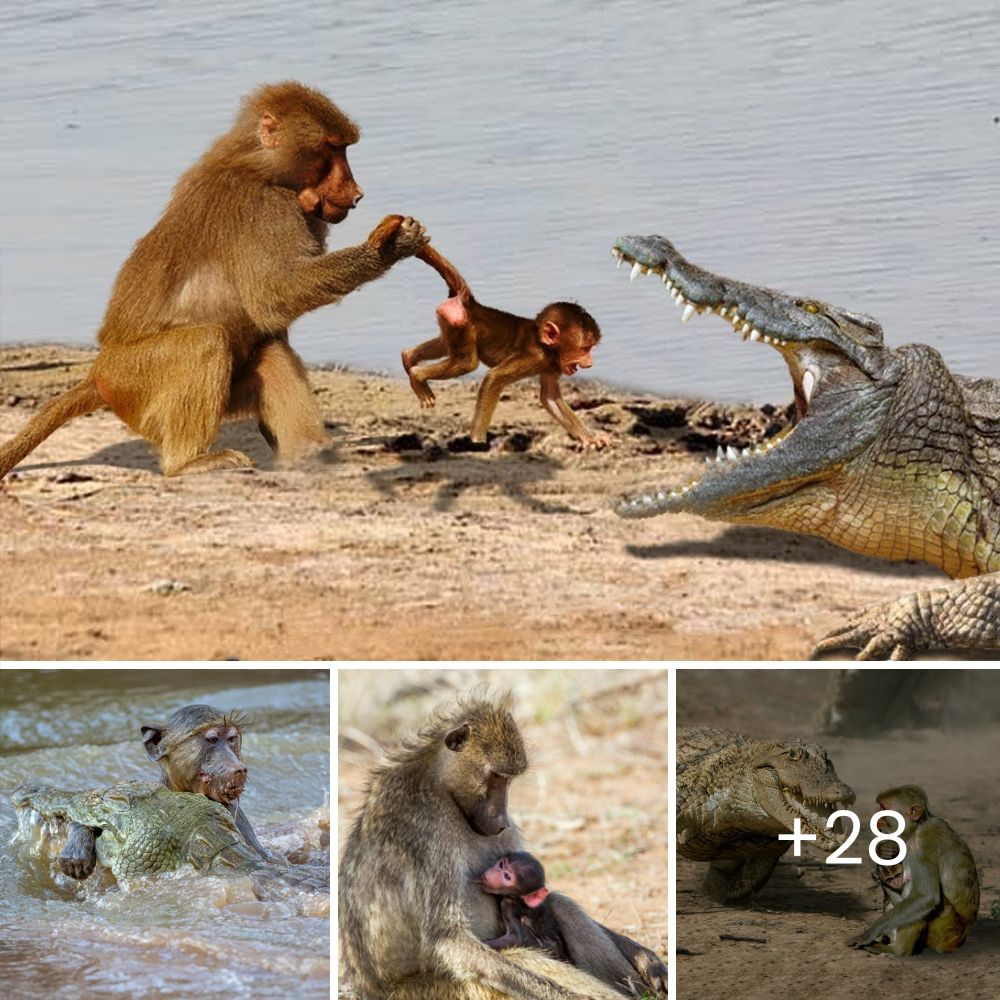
[(412, 917)]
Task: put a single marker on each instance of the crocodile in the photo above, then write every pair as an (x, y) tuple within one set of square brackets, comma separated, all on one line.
[(735, 795), (146, 828), (889, 454)]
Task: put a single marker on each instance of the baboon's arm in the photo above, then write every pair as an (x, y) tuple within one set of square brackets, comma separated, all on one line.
[(923, 897), (280, 289)]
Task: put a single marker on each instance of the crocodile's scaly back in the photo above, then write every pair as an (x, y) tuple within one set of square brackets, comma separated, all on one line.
[(890, 455), (147, 828)]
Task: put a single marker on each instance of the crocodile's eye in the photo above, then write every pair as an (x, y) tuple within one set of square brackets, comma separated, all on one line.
[(795, 753), (810, 307)]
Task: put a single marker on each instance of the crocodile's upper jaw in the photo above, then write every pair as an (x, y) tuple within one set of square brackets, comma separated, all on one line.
[(785, 802), (838, 368)]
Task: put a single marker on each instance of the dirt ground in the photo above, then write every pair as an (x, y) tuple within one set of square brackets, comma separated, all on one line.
[(807, 911), (593, 805), (403, 545)]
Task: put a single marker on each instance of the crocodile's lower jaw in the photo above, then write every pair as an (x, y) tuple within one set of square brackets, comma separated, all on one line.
[(805, 365), (814, 814)]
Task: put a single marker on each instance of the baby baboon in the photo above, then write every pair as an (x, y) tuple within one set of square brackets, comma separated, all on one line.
[(519, 879), (932, 897), (200, 750), (413, 920), (557, 342)]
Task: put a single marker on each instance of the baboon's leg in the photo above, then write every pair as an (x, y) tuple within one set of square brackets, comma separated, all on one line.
[(173, 389), (276, 389), (433, 348)]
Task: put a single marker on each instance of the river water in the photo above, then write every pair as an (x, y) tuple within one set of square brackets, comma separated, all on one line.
[(846, 151), (178, 935)]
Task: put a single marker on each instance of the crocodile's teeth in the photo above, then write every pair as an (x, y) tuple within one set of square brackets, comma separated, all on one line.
[(731, 453), (689, 311), (755, 334), (636, 269), (808, 382)]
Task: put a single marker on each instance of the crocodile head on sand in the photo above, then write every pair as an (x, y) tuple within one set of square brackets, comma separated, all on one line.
[(843, 379)]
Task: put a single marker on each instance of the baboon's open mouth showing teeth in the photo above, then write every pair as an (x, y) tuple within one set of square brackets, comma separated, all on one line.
[(814, 340)]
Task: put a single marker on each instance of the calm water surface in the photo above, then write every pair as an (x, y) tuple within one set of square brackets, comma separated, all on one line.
[(846, 151), (171, 936)]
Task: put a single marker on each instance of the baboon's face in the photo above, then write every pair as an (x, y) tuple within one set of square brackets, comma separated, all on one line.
[(481, 768)]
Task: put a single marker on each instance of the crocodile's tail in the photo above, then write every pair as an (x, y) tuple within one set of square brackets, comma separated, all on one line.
[(457, 285), (82, 398)]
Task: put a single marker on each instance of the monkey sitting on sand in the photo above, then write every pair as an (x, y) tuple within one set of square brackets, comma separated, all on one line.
[(519, 879)]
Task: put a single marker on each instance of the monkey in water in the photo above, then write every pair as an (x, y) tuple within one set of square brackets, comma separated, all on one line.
[(519, 879), (200, 750), (196, 330), (931, 898), (557, 342)]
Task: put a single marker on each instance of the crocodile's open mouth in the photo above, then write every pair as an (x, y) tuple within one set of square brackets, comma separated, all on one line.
[(819, 350), (786, 803)]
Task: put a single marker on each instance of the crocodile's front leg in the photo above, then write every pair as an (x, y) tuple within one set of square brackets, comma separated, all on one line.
[(730, 880), (962, 615)]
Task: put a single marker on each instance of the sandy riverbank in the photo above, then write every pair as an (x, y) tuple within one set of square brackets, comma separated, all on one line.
[(400, 546)]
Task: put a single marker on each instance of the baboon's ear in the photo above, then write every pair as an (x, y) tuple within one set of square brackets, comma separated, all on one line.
[(457, 738), (151, 736)]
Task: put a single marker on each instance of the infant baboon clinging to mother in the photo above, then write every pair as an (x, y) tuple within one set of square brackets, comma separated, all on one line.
[(519, 880), (414, 921), (558, 341), (196, 330)]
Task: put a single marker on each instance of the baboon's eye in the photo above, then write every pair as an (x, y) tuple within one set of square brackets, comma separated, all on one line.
[(212, 739)]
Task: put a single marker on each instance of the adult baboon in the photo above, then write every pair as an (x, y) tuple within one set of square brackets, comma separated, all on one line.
[(413, 920), (200, 750), (196, 330), (932, 896)]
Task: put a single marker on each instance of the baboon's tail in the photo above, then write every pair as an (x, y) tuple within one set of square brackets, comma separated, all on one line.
[(82, 398), (456, 283)]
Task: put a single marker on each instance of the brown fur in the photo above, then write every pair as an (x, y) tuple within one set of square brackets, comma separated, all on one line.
[(557, 341), (196, 330), (188, 765), (413, 918), (931, 897)]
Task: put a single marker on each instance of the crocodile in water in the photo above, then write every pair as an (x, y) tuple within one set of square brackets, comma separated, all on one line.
[(736, 794), (147, 828), (891, 455)]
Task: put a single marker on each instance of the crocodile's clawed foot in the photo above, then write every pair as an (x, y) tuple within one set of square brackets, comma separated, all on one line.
[(888, 631)]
